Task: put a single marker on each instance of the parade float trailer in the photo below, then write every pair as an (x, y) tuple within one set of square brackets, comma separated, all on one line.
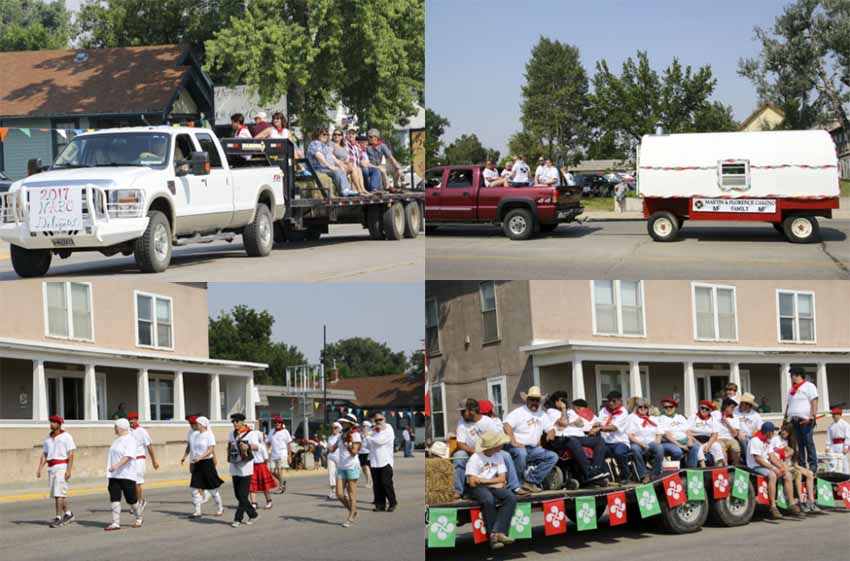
[(786, 178)]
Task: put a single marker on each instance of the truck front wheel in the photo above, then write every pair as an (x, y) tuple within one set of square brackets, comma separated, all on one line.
[(152, 250), (519, 224), (801, 229), (663, 226), (258, 236), (30, 262), (394, 221)]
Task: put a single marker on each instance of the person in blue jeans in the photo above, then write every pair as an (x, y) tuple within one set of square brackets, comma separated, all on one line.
[(485, 477), (408, 441), (614, 421), (645, 440), (802, 410), (321, 158), (673, 428), (525, 426)]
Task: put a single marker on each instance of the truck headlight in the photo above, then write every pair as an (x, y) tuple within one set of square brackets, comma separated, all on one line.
[(125, 196), (125, 203)]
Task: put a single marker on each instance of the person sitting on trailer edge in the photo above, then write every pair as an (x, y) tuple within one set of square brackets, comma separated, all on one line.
[(673, 428), (547, 174), (486, 477), (237, 125), (727, 430), (645, 439), (276, 130), (525, 426), (702, 427), (758, 460), (260, 123), (377, 150), (572, 432), (491, 176), (615, 420), (749, 420), (783, 454), (371, 174), (321, 157)]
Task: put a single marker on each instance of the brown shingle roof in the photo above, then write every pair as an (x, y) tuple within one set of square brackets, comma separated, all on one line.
[(120, 80), (398, 390)]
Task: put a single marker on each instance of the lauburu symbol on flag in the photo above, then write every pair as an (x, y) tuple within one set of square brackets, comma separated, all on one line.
[(740, 484), (694, 485), (555, 516), (520, 521), (618, 508), (721, 483), (647, 499), (478, 525), (442, 527), (674, 490), (763, 489), (585, 513), (845, 493)]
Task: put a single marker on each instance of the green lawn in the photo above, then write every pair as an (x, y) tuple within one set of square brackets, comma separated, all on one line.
[(845, 188), (598, 203)]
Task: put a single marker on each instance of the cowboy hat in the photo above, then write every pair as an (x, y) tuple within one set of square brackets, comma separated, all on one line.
[(533, 392), (491, 439), (749, 398), (440, 449)]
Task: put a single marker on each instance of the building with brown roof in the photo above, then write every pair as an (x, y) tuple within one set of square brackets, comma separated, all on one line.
[(44, 92)]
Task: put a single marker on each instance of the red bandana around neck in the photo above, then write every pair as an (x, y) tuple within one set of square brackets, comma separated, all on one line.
[(761, 436), (704, 417), (585, 413), (280, 130), (647, 420), (612, 414), (795, 387)]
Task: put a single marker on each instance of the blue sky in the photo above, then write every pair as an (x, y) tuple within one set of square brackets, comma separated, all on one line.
[(472, 42), (389, 313)]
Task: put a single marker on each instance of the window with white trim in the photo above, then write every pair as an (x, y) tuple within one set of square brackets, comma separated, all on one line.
[(714, 313), (489, 313), (734, 175), (796, 316), (432, 327), (496, 394), (438, 413), (162, 397), (69, 310), (154, 321), (618, 308)]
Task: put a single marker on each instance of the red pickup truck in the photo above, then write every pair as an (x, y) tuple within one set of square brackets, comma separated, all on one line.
[(457, 195)]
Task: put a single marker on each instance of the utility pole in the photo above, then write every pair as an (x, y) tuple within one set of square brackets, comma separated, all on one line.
[(325, 372)]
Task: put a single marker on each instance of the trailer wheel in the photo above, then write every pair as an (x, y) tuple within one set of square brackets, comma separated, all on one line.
[(412, 219), (374, 222), (554, 480), (663, 226), (519, 224), (30, 263), (801, 229), (394, 221), (152, 251), (685, 518), (732, 511), (258, 236)]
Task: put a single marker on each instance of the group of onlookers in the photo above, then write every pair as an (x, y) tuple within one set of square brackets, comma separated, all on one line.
[(496, 460)]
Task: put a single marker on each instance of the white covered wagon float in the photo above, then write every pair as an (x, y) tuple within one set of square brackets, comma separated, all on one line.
[(787, 178)]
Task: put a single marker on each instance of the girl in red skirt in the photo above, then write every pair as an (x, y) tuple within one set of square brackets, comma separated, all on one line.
[(262, 479)]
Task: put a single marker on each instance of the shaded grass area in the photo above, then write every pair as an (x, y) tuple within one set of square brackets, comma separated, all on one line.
[(845, 187)]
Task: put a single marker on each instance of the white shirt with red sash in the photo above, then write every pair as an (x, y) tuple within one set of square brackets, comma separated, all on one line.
[(56, 450)]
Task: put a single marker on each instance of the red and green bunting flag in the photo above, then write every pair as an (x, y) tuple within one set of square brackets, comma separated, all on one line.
[(617, 513), (521, 522), (442, 527), (554, 517), (740, 484), (825, 494), (674, 490), (762, 493), (586, 513), (647, 500), (696, 485), (479, 530), (720, 483), (844, 493)]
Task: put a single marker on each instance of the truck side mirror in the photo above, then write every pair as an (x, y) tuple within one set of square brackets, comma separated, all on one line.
[(200, 163), (34, 166)]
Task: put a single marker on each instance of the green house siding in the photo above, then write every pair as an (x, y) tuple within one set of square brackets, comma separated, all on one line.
[(17, 148)]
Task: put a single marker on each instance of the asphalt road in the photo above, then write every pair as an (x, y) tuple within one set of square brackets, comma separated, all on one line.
[(623, 249), (345, 254), (303, 525), (821, 537)]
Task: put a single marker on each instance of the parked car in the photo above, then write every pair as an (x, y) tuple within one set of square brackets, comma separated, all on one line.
[(593, 185)]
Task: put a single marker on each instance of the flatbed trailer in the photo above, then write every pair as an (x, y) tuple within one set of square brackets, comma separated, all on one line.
[(312, 206), (719, 506)]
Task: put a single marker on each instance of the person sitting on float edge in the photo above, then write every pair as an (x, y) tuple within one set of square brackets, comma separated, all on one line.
[(702, 427), (645, 439), (727, 431), (525, 426), (749, 420), (485, 476), (614, 421), (571, 433), (673, 428), (320, 156), (491, 175), (758, 461), (783, 454)]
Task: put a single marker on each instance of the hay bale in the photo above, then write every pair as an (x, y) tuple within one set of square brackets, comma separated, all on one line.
[(439, 481)]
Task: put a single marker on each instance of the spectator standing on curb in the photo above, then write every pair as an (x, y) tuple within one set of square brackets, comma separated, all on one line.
[(802, 412), (58, 455), (620, 197), (408, 441)]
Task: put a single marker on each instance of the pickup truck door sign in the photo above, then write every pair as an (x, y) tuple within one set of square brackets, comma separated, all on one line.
[(56, 209), (750, 206)]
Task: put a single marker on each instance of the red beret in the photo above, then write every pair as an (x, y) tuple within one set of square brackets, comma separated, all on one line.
[(485, 406), (56, 419), (191, 418), (277, 419), (836, 410), (670, 400), (707, 403), (133, 415)]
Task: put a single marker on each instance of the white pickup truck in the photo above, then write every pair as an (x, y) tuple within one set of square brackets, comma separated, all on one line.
[(140, 191)]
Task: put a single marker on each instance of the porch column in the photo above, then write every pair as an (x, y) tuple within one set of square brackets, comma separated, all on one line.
[(784, 383), (735, 375), (143, 395), (690, 389), (179, 397), (90, 394), (39, 392), (215, 398), (823, 390), (250, 409), (634, 379), (578, 378)]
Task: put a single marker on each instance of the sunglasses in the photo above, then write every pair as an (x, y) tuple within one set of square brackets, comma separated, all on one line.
[(669, 407), (379, 420), (337, 134), (704, 409)]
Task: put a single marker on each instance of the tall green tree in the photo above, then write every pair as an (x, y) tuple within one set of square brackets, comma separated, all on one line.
[(245, 334), (435, 128), (555, 99), (31, 25), (635, 102), (524, 143), (804, 64), (363, 356), (417, 363), (467, 149), (369, 55)]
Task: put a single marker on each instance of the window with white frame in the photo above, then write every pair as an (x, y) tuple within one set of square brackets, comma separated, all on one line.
[(432, 327), (496, 394), (714, 313), (68, 310), (438, 412), (618, 308), (162, 397), (489, 313), (796, 316), (154, 321)]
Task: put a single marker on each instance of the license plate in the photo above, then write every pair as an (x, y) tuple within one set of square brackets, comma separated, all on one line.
[(749, 206), (63, 242)]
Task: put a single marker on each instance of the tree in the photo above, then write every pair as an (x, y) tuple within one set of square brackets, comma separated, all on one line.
[(363, 356), (435, 128), (31, 25), (467, 149), (634, 103), (369, 55), (555, 100), (804, 64), (523, 143), (245, 334), (417, 363)]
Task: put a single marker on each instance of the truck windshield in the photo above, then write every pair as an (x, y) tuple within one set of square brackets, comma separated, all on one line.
[(119, 149)]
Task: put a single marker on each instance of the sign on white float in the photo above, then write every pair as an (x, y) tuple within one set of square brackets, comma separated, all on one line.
[(56, 209), (735, 205)]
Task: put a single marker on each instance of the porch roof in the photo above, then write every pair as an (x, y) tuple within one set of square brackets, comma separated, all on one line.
[(77, 354)]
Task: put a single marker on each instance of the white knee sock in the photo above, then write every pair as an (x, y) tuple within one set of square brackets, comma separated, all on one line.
[(197, 497), (116, 513), (217, 498)]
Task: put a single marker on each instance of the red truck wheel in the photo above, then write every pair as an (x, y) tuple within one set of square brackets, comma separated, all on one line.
[(519, 224)]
